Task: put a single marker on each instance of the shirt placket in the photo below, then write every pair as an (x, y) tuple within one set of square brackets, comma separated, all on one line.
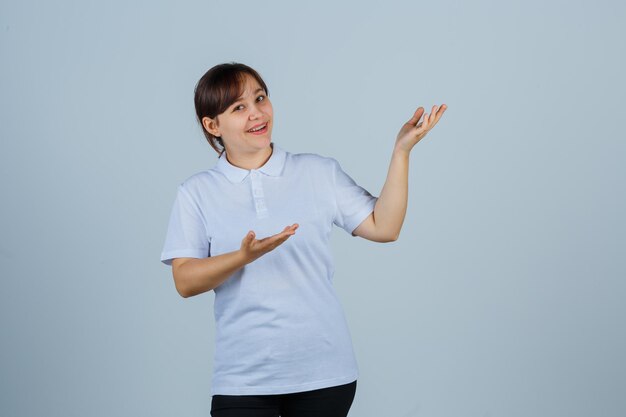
[(258, 194)]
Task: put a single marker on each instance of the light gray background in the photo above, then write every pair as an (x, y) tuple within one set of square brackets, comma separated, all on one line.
[(504, 295)]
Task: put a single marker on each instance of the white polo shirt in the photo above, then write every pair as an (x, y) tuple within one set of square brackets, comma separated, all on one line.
[(280, 327)]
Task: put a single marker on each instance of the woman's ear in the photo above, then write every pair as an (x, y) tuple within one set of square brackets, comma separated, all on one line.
[(211, 126)]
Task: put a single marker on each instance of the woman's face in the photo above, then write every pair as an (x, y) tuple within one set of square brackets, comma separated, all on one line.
[(252, 109)]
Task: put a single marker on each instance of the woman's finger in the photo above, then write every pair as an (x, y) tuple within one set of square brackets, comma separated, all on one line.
[(436, 117), (416, 116), (280, 237), (421, 124), (442, 109), (280, 241)]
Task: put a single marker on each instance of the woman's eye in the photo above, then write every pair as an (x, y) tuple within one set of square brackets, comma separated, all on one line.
[(261, 96)]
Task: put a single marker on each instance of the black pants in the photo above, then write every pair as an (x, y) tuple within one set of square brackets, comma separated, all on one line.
[(323, 402)]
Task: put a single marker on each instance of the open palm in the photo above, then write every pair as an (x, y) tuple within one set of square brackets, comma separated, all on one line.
[(254, 248), (412, 131)]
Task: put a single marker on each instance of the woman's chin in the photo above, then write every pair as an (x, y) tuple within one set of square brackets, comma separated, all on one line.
[(260, 141)]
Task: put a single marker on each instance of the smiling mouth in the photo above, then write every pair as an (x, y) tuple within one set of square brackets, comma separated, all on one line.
[(259, 131)]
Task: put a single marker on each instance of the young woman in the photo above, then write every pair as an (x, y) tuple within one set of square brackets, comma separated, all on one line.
[(283, 346)]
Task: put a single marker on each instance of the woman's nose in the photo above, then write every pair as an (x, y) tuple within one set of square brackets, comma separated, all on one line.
[(255, 113)]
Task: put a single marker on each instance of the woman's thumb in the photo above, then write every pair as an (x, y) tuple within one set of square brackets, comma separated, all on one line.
[(416, 116), (247, 240)]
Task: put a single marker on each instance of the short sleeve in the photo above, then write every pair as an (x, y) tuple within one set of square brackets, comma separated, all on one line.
[(353, 202), (186, 232)]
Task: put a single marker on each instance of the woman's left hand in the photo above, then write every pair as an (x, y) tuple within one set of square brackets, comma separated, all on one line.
[(412, 131)]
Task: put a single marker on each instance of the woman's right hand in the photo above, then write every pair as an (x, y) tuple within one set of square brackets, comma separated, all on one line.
[(254, 248)]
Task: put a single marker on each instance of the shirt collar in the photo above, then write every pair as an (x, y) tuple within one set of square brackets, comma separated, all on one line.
[(273, 167)]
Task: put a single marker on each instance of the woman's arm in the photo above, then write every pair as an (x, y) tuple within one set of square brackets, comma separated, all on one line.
[(385, 223), (193, 276)]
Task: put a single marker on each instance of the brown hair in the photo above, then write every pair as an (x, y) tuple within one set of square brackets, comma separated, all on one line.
[(218, 88)]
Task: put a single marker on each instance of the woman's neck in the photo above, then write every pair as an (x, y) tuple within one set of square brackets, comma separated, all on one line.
[(250, 161)]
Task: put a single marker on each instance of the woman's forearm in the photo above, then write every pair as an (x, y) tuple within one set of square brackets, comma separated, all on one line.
[(390, 208), (197, 276)]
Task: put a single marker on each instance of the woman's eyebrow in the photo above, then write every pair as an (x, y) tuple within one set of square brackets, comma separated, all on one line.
[(254, 93)]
